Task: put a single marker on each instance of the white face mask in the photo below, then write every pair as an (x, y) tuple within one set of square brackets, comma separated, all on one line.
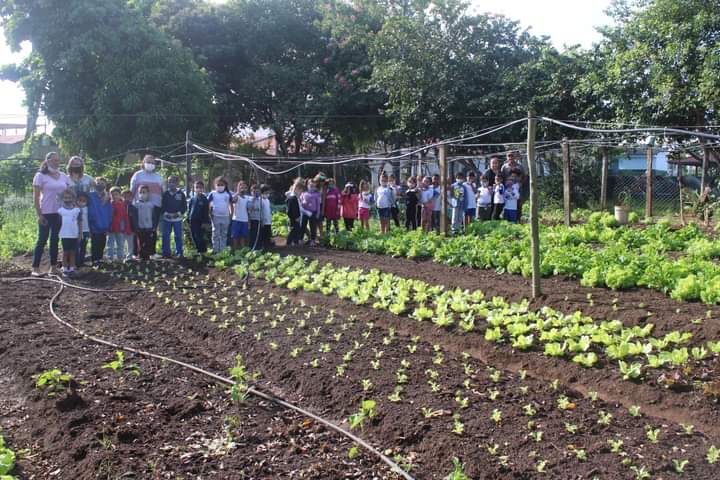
[(52, 169), (149, 167), (144, 197), (220, 188)]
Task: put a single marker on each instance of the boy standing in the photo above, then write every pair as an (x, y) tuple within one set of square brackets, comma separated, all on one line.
[(172, 208), (145, 216), (457, 202), (199, 217)]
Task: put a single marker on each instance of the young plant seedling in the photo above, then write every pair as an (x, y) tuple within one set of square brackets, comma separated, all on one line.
[(634, 410), (713, 455), (458, 472), (118, 365), (679, 465), (652, 434), (53, 381), (615, 445), (367, 411)]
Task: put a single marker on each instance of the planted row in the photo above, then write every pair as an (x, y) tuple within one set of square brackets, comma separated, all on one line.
[(597, 252), (576, 337)]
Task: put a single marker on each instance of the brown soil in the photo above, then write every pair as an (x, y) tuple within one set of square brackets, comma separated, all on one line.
[(160, 424), (568, 296)]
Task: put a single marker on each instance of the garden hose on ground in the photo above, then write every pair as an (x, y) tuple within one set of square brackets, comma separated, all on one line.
[(359, 441)]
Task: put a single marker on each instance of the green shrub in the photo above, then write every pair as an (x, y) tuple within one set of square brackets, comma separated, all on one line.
[(688, 288), (592, 278)]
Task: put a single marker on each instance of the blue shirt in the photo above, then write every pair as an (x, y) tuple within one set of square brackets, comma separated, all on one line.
[(99, 214)]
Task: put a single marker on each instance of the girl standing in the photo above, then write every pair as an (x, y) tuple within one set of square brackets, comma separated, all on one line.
[(349, 206), (385, 201), (119, 226), (310, 204), (48, 186), (498, 197), (79, 180), (293, 212), (412, 199), (70, 231), (364, 201), (332, 206), (220, 202), (240, 230)]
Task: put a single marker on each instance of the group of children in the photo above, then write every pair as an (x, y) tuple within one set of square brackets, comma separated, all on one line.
[(484, 201), (121, 228)]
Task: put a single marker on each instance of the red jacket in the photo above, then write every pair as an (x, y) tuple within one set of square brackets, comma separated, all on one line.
[(349, 205), (332, 204), (120, 220)]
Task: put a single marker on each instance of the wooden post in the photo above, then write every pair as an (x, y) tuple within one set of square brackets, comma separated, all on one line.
[(649, 185), (566, 181), (604, 180), (705, 162), (188, 165), (680, 186), (442, 163), (534, 221)]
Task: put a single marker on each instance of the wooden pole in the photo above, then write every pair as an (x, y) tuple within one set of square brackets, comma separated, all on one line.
[(566, 181), (705, 162), (442, 163), (649, 185), (604, 180), (534, 221), (188, 165), (680, 186)]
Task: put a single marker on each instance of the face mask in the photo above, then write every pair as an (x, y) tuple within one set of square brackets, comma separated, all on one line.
[(100, 188), (311, 188), (484, 184), (172, 187), (220, 188), (52, 169), (149, 167), (144, 197), (75, 169), (384, 184)]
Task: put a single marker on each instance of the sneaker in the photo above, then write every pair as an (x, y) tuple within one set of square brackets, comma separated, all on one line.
[(155, 256), (37, 273)]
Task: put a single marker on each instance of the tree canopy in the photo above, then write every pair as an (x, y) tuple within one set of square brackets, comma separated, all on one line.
[(342, 75)]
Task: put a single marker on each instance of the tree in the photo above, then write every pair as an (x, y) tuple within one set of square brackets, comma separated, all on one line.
[(661, 61), (107, 79)]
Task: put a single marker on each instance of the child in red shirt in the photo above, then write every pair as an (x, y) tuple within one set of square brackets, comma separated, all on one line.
[(119, 226)]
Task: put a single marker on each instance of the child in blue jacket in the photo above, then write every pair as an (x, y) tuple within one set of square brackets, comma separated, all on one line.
[(199, 217), (99, 218)]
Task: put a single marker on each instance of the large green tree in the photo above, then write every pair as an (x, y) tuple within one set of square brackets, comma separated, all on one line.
[(106, 78)]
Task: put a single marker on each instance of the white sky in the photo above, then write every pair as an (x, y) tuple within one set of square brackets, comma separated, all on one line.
[(567, 22)]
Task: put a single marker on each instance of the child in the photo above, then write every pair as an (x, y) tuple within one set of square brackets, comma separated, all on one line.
[(172, 208), (484, 200), (332, 206), (119, 226), (498, 197), (82, 201), (364, 201), (100, 219), (512, 194), (349, 206), (144, 217), (240, 229), (293, 212), (385, 199), (457, 202), (130, 239), (254, 208), (70, 231), (266, 233), (394, 210), (310, 205), (412, 198), (199, 217), (427, 194), (470, 190), (220, 202)]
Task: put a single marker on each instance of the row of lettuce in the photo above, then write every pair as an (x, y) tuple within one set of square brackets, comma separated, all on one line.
[(575, 337), (7, 461), (679, 262)]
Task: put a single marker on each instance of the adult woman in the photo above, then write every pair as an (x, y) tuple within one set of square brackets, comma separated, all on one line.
[(79, 180), (148, 176), (49, 184)]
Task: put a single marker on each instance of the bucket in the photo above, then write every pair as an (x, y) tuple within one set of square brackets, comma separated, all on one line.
[(621, 214)]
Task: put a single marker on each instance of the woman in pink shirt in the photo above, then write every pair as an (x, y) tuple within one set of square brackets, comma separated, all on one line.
[(49, 184)]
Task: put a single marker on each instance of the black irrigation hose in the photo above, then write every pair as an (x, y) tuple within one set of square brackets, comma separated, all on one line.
[(393, 466)]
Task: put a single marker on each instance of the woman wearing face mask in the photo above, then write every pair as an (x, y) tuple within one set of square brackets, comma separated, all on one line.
[(147, 176), (79, 180), (48, 186)]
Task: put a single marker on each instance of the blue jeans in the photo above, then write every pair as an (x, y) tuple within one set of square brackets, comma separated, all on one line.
[(176, 228), (51, 229)]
